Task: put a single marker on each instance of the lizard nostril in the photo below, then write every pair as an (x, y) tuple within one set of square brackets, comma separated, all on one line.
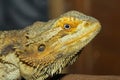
[(86, 24), (41, 48)]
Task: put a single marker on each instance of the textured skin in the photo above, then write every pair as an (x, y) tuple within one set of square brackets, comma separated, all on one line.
[(45, 48)]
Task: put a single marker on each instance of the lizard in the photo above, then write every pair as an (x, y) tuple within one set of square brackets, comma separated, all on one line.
[(45, 48)]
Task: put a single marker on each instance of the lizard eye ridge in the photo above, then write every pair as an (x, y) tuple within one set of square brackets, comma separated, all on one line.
[(67, 26), (41, 48)]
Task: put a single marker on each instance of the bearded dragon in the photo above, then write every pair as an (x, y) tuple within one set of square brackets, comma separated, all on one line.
[(45, 48)]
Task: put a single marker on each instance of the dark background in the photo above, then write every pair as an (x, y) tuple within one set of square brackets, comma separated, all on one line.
[(16, 14)]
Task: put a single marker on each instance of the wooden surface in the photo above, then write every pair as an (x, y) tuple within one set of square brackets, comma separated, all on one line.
[(90, 77)]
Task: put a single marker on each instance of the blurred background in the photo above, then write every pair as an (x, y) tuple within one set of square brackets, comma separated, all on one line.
[(101, 56)]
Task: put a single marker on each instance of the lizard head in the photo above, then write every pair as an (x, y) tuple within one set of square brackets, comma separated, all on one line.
[(68, 34), (60, 40)]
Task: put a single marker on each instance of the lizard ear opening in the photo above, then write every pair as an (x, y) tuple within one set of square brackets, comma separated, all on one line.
[(41, 48)]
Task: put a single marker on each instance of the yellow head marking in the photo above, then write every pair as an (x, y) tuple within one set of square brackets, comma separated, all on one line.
[(69, 24)]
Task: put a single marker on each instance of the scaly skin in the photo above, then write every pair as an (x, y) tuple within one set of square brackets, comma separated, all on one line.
[(45, 48)]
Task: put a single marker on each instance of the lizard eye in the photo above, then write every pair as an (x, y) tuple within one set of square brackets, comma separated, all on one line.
[(67, 26), (41, 48)]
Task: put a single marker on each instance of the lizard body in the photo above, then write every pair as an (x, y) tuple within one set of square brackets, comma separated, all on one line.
[(45, 48)]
